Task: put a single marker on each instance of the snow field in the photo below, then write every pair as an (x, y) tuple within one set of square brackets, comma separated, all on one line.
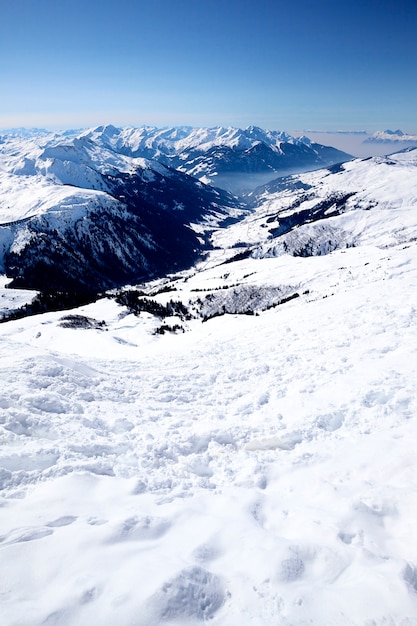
[(254, 470)]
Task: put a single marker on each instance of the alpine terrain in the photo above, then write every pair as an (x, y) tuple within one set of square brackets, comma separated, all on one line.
[(212, 418)]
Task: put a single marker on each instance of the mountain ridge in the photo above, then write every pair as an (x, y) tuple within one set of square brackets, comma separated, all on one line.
[(222, 156)]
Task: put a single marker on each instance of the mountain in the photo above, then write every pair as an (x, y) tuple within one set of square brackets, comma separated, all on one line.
[(22, 132), (231, 158), (231, 444), (350, 206), (391, 137), (92, 210), (77, 216), (340, 207)]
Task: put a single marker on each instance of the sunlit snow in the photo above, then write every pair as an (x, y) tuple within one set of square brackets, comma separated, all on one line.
[(252, 470)]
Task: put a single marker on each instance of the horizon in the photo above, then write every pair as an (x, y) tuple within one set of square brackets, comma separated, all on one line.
[(327, 66), (294, 132)]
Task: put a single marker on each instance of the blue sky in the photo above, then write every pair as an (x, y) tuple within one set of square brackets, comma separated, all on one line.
[(298, 64)]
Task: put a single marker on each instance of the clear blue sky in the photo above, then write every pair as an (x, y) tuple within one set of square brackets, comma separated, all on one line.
[(298, 64)]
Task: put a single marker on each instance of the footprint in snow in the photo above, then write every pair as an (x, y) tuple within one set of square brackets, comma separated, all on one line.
[(292, 568), (331, 421), (20, 535), (346, 537), (410, 576), (140, 529), (65, 520), (194, 594), (206, 552)]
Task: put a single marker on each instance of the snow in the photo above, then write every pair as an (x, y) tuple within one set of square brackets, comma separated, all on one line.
[(41, 174), (255, 469), (180, 139), (392, 136), (12, 299)]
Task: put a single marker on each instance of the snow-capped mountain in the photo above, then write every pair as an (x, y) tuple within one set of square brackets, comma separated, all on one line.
[(317, 212), (174, 141), (87, 211), (392, 137), (23, 132), (231, 158), (168, 458), (75, 215)]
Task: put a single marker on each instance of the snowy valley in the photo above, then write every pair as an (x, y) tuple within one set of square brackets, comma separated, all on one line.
[(228, 437)]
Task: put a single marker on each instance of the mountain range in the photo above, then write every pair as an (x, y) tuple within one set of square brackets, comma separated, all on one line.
[(96, 209), (232, 158)]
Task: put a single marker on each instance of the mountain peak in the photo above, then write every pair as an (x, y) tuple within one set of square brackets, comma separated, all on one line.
[(393, 132), (108, 129)]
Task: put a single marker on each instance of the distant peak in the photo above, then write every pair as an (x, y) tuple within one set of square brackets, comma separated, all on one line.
[(108, 129), (391, 136), (304, 139), (254, 129)]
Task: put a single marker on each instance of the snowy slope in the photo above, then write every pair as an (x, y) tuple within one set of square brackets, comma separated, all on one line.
[(314, 213), (254, 469)]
